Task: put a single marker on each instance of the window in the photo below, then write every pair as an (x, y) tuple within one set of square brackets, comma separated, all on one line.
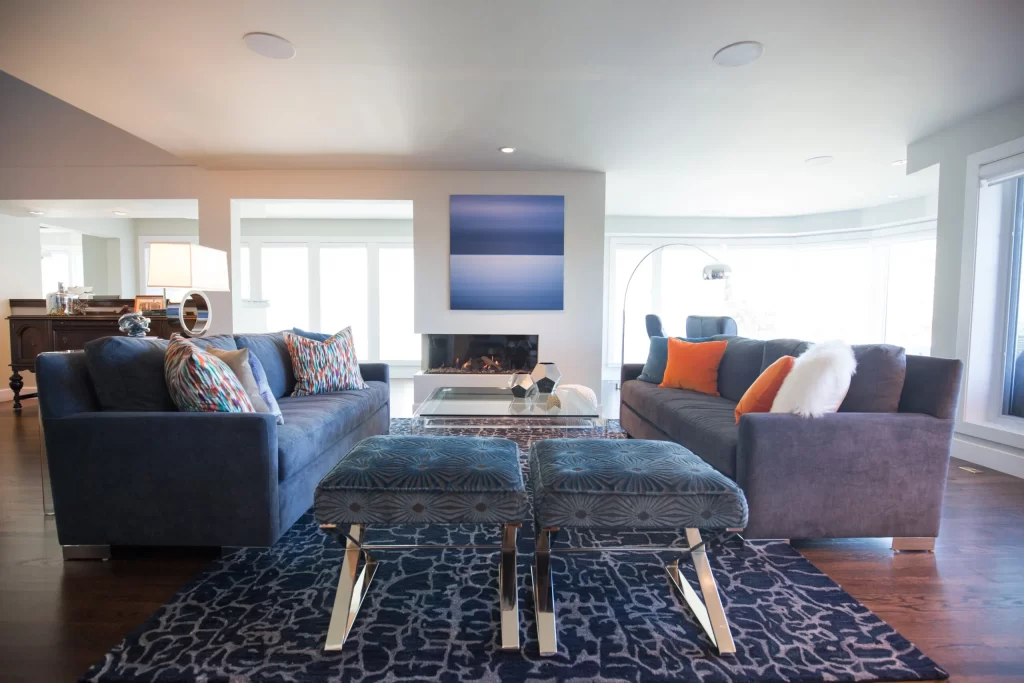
[(344, 293), (285, 270), (396, 288), (245, 272), (1013, 383), (865, 287)]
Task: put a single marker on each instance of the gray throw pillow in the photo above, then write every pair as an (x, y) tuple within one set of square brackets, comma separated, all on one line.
[(241, 364), (878, 383)]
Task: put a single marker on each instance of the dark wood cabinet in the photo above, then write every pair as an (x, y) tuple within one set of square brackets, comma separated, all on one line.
[(32, 334)]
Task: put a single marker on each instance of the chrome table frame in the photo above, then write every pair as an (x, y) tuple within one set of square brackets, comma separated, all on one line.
[(709, 612), (354, 584)]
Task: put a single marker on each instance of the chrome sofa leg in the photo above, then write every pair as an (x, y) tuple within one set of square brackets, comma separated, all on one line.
[(710, 612), (508, 589), (919, 543), (85, 552), (352, 588), (544, 594)]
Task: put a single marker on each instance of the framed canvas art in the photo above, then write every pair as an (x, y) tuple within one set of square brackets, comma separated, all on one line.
[(507, 252)]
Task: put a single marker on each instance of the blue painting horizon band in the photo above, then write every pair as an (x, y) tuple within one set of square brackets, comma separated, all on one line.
[(507, 252)]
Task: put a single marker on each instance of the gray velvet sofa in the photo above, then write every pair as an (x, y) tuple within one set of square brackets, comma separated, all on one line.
[(127, 469), (876, 468)]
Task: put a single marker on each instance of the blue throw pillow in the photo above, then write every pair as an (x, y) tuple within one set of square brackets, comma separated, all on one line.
[(263, 387), (657, 358), (315, 336)]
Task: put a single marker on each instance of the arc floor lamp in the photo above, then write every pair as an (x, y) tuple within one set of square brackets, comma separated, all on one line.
[(716, 270)]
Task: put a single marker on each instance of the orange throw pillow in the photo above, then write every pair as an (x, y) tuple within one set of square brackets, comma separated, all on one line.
[(761, 394), (693, 366)]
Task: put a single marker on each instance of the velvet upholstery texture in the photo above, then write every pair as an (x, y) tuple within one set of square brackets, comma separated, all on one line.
[(314, 423), (877, 385), (705, 425), (709, 325), (272, 351), (740, 366), (847, 474), (617, 484), (425, 479), (197, 479)]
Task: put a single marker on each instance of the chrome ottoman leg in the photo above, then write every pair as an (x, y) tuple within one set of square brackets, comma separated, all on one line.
[(352, 587), (508, 589), (710, 612), (544, 593)]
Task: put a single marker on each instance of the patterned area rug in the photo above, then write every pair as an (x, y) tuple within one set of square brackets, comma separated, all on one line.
[(260, 615)]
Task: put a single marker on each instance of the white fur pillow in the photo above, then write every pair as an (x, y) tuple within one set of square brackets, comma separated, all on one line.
[(818, 382)]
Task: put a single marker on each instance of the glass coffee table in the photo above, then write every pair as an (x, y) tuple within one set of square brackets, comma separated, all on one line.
[(469, 407)]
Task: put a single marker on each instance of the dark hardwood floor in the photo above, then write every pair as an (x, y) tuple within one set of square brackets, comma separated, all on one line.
[(964, 605)]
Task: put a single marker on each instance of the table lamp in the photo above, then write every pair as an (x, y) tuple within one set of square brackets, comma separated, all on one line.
[(194, 268)]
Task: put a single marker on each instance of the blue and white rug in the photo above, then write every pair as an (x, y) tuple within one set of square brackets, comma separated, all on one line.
[(260, 615)]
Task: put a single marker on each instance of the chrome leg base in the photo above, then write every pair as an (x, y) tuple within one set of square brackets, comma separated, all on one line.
[(709, 612), (508, 589), (85, 552), (914, 543), (544, 594), (352, 588)]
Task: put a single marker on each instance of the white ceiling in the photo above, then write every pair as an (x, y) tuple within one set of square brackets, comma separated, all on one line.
[(628, 88)]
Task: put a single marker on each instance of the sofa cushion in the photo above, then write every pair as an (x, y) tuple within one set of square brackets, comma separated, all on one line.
[(128, 373), (740, 366), (657, 358), (775, 349), (273, 354), (312, 424), (878, 383), (201, 382), (704, 424)]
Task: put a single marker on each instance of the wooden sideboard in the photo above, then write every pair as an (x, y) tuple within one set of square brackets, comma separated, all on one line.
[(32, 334)]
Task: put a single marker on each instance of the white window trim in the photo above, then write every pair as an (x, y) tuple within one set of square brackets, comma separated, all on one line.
[(877, 237), (982, 334), (313, 244)]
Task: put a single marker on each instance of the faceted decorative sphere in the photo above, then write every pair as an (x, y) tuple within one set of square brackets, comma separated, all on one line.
[(522, 385), (546, 375)]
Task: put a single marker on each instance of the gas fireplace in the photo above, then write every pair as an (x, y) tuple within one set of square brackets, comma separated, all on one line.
[(479, 353)]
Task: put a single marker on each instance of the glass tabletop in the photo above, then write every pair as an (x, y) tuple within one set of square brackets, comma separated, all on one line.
[(498, 402)]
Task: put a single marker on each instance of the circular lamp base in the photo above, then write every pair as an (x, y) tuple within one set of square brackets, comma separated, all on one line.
[(202, 326)]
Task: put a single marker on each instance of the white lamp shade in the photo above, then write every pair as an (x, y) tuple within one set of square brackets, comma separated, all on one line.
[(180, 264)]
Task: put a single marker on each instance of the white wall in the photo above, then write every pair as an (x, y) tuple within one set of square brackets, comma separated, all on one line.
[(949, 150), (326, 227), (94, 264), (20, 278)]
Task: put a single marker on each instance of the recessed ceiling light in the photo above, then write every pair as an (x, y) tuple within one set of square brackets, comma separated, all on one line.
[(893, 196), (36, 213), (269, 45), (739, 54), (900, 162), (119, 213), (507, 150), (819, 161)]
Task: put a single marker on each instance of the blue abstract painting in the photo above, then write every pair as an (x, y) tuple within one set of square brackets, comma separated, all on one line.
[(507, 252)]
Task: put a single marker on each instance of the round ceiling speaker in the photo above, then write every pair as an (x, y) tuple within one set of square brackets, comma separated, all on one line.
[(739, 54), (269, 45)]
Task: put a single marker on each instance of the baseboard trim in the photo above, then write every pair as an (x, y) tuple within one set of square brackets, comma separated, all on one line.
[(989, 454)]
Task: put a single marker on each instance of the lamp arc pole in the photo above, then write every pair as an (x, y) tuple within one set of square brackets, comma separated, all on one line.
[(709, 272)]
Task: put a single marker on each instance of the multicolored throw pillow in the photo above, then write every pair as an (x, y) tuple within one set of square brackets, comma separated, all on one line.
[(199, 382), (324, 367)]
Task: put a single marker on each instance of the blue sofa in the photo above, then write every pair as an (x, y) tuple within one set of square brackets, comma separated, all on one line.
[(127, 469)]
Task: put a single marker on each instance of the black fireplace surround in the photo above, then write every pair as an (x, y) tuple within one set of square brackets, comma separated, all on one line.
[(479, 353)]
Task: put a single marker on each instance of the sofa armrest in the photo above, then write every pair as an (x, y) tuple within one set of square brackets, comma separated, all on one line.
[(164, 478), (375, 372), (630, 371), (843, 475)]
